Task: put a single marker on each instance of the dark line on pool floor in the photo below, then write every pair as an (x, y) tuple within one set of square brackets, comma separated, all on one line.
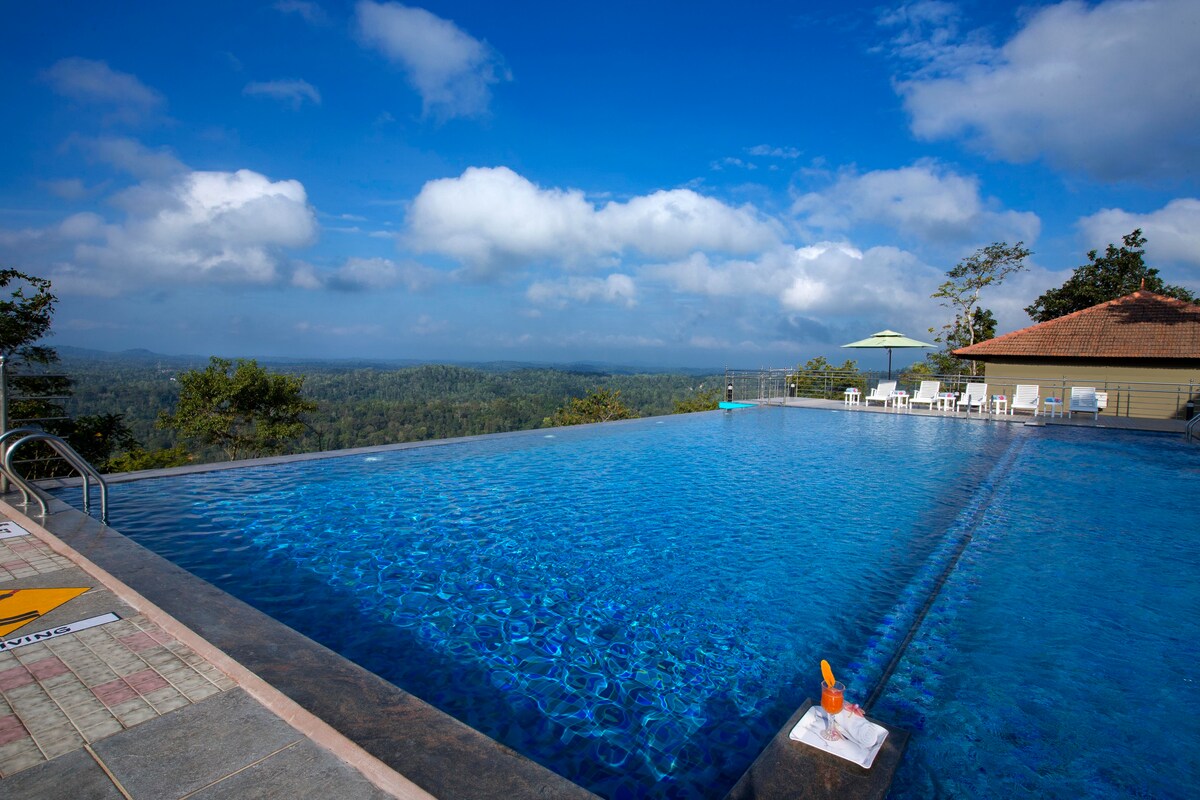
[(988, 490)]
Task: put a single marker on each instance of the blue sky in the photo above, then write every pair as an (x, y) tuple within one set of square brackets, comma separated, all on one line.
[(670, 184)]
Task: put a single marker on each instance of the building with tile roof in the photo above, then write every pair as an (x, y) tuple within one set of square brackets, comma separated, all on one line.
[(1142, 350)]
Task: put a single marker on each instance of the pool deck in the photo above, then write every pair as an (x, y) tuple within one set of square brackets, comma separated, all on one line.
[(140, 707), (1112, 422)]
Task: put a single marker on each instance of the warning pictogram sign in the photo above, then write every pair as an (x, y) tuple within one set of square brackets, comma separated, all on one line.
[(19, 607)]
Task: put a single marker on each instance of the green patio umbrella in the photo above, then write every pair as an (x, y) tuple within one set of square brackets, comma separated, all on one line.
[(888, 339)]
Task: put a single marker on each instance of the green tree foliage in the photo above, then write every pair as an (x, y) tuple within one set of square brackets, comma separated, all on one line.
[(97, 437), (139, 459), (920, 371), (25, 317), (983, 327), (247, 412), (602, 405), (701, 400), (819, 378), (37, 396), (1120, 271), (987, 266), (361, 405)]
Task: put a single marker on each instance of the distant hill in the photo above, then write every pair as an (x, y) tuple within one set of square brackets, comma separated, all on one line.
[(144, 357)]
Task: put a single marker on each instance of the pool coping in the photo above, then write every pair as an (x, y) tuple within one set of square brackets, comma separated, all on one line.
[(401, 743), (270, 461)]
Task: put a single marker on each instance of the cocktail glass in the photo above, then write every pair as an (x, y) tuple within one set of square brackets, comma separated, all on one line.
[(831, 701)]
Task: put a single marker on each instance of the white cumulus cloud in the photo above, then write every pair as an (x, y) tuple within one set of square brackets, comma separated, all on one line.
[(200, 227), (923, 200), (828, 279), (449, 68), (616, 289), (1172, 232), (1106, 89), (488, 217)]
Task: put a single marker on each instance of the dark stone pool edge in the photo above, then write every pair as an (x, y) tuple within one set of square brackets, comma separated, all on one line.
[(787, 768), (425, 745)]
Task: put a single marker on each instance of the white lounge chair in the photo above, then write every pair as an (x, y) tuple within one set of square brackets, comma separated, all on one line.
[(974, 396), (927, 395), (1083, 400), (1025, 398), (881, 393)]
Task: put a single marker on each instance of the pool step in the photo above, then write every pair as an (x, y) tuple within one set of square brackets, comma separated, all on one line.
[(795, 771)]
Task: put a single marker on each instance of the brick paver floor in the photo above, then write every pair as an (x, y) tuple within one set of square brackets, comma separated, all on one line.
[(60, 694)]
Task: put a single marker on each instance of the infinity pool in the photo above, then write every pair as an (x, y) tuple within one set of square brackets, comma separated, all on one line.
[(639, 606)]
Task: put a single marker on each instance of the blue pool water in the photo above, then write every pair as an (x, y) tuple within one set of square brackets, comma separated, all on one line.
[(640, 606), (1060, 658)]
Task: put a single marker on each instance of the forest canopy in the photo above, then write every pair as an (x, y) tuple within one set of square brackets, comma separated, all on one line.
[(361, 405)]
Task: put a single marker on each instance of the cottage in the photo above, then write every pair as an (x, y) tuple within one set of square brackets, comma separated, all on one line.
[(1142, 350)]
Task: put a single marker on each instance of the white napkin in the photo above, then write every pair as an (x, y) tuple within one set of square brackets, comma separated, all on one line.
[(860, 742)]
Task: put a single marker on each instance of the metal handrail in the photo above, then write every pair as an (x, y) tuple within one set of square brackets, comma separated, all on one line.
[(1187, 429), (60, 446), (5, 479)]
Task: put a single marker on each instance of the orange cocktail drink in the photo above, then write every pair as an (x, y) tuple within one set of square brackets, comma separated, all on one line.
[(832, 697), (831, 700)]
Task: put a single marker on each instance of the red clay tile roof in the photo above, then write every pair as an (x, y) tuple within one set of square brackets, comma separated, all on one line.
[(1138, 325)]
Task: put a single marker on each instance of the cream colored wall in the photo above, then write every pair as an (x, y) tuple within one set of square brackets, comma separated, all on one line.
[(1149, 392)]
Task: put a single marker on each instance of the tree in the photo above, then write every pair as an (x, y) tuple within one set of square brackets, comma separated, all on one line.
[(36, 396), (702, 400), (98, 437), (602, 405), (25, 317), (1120, 271), (987, 266), (819, 378), (138, 459), (246, 413), (982, 328)]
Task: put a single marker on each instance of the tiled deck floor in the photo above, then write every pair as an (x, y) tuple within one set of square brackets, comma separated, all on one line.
[(126, 710)]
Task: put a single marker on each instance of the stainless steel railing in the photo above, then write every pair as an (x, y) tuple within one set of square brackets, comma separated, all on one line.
[(1144, 399), (68, 454)]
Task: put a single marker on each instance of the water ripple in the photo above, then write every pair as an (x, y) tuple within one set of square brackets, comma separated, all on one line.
[(638, 607)]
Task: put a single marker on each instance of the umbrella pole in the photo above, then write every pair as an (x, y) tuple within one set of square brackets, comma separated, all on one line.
[(889, 363)]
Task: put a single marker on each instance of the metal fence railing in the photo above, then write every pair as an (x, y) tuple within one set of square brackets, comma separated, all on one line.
[(33, 397), (1121, 398)]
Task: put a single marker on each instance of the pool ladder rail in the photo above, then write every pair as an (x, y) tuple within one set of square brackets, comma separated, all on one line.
[(68, 454), (1188, 433)]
